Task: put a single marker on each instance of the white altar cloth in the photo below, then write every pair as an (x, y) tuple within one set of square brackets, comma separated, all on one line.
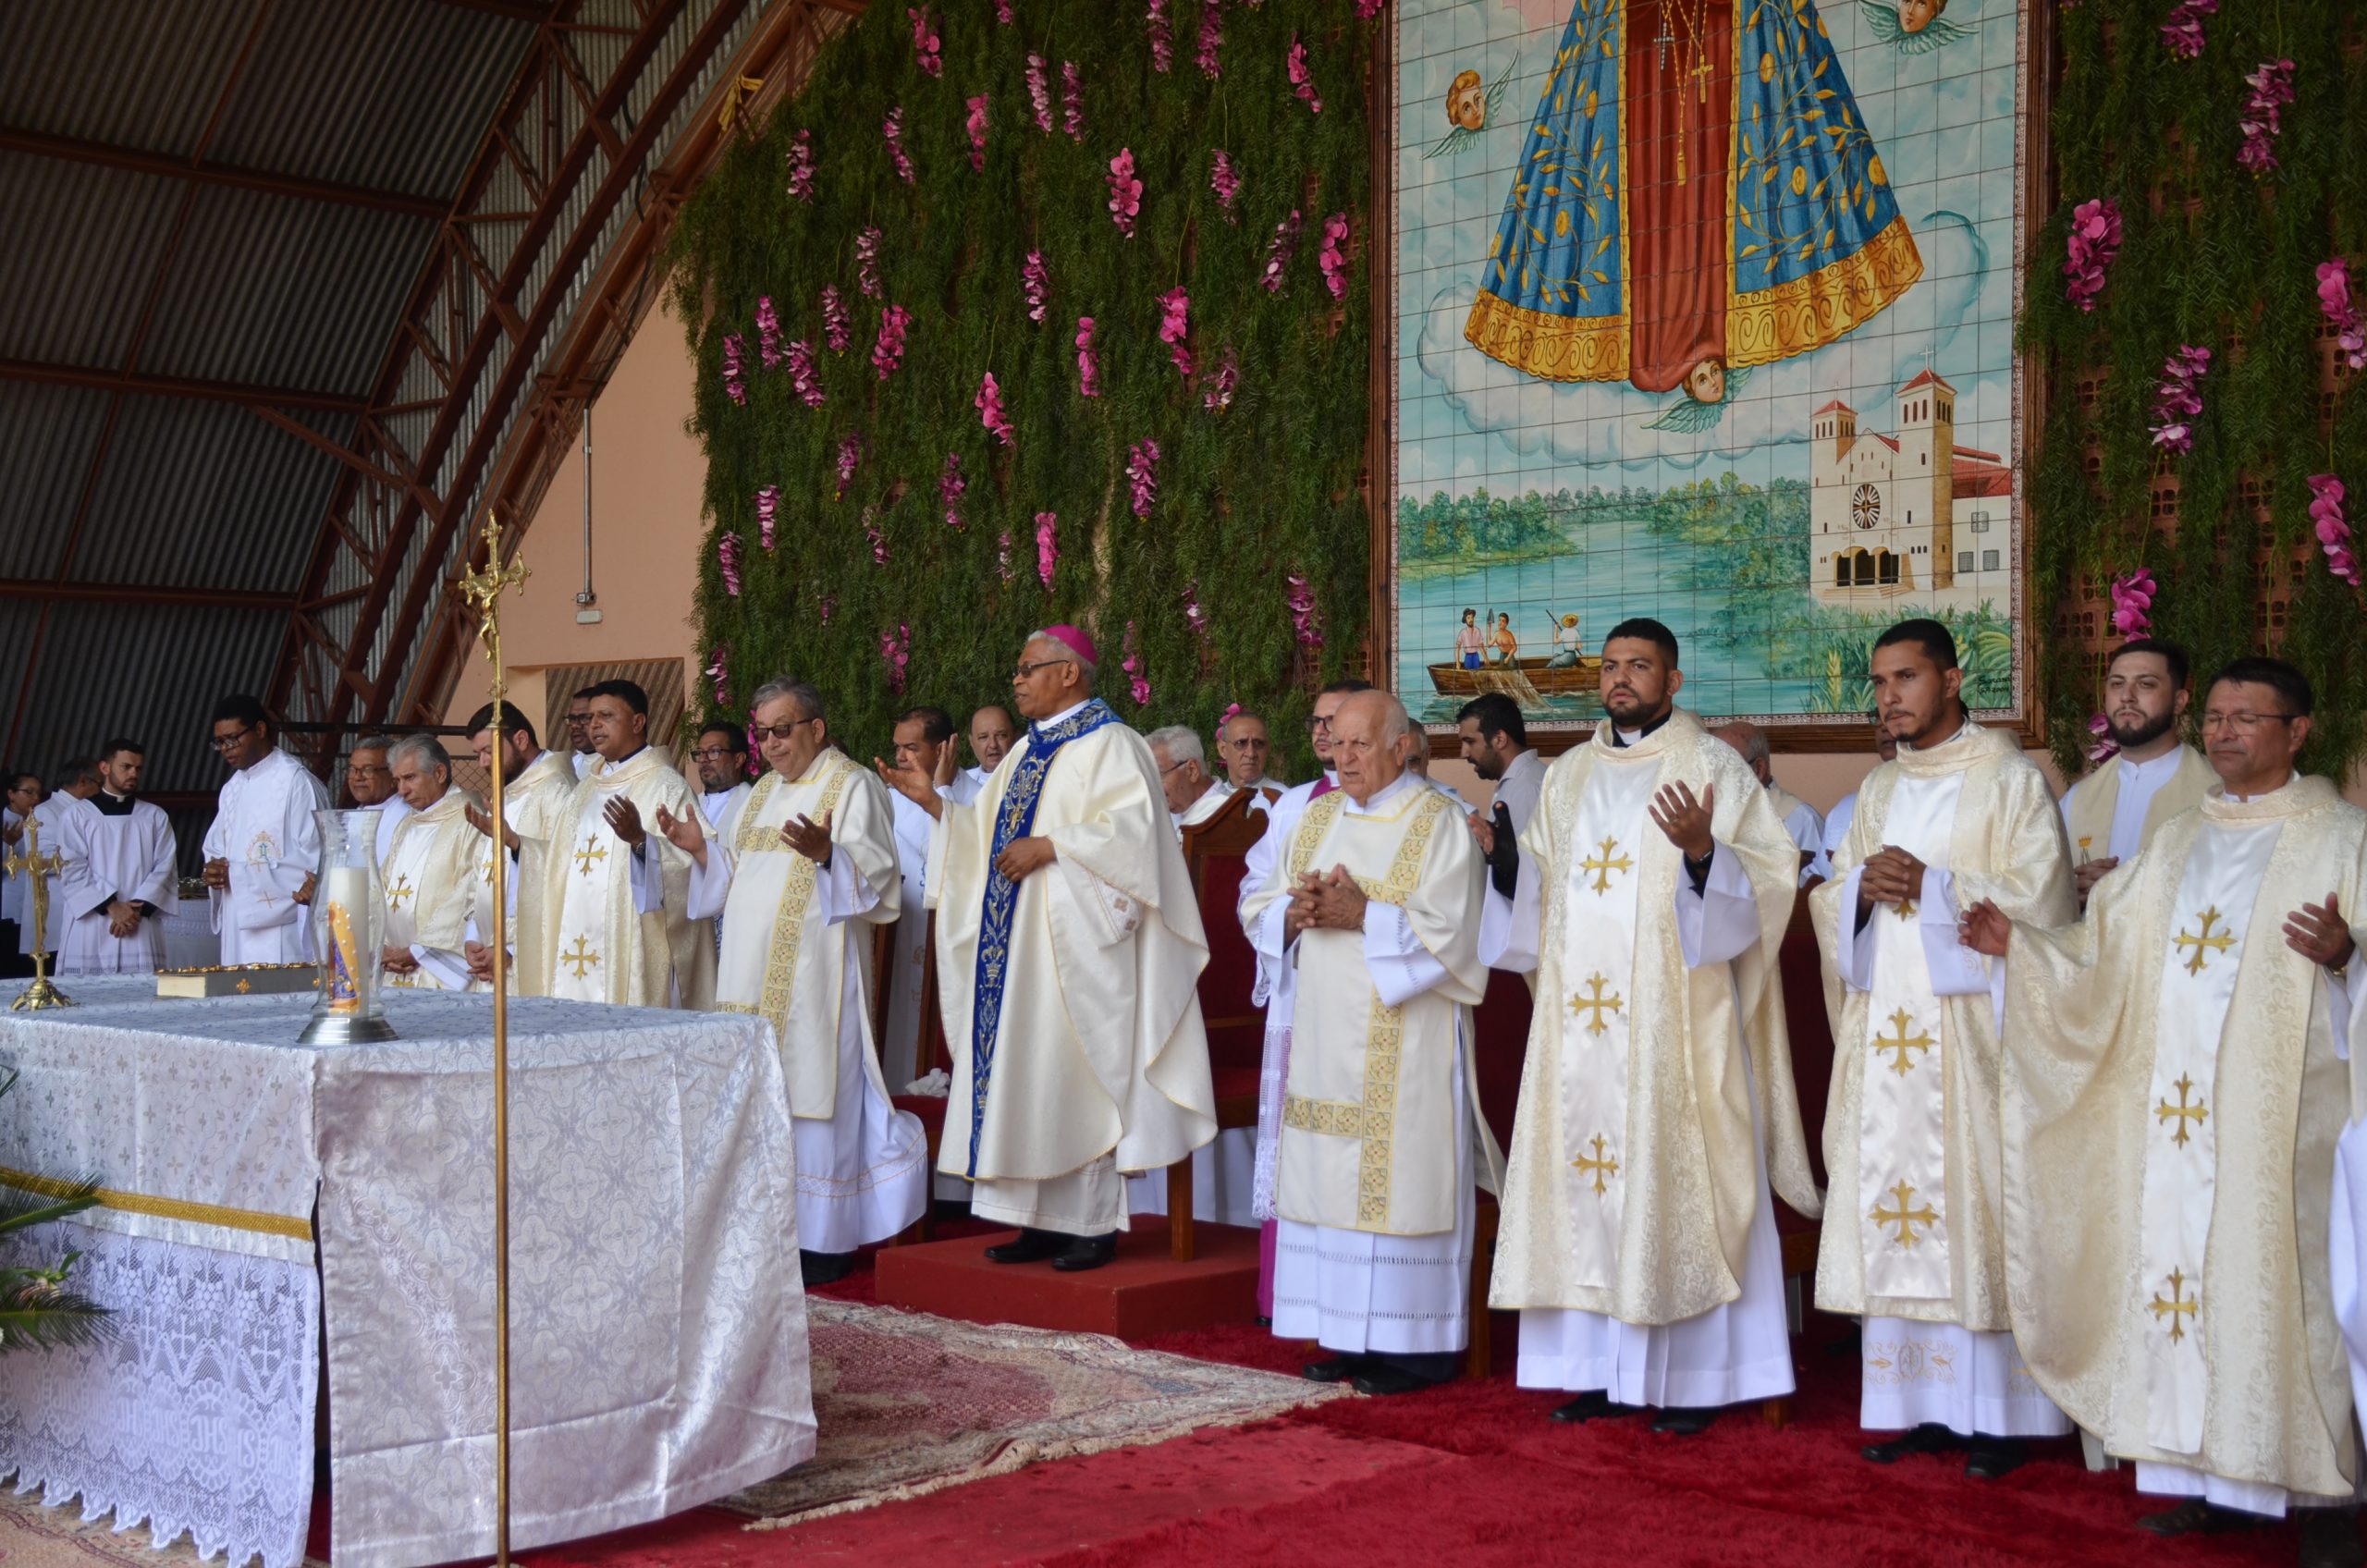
[(658, 1325)]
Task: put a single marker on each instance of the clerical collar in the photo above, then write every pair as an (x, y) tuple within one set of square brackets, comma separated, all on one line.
[(2152, 767), (1629, 737), (606, 766), (2290, 779), (1383, 804), (112, 804)]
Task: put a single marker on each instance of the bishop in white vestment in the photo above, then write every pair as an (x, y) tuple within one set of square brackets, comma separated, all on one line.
[(432, 870), (264, 846), (119, 879)]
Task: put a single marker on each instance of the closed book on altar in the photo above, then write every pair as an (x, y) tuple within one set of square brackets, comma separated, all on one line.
[(252, 980)]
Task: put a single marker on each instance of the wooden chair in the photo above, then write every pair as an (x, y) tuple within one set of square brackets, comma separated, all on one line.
[(929, 1053), (1217, 851)]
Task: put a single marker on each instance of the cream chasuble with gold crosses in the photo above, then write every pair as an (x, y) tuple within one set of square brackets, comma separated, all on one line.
[(2173, 1098), (429, 884), (533, 806), (601, 949)]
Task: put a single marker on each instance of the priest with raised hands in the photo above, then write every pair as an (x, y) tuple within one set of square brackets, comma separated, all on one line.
[(264, 845), (1375, 901), (119, 879), (801, 871), (2115, 811), (1648, 893), (537, 786), (1914, 1236), (432, 871), (602, 948), (1070, 948), (2175, 1090)]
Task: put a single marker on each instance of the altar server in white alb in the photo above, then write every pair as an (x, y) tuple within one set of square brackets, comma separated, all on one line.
[(263, 848), (1376, 902), (432, 871), (1914, 1236), (537, 788), (1070, 946), (1648, 894), (602, 948), (801, 872), (119, 879), (2115, 811), (2175, 1090)]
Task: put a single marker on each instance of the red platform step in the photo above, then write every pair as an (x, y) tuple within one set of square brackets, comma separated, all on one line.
[(1143, 1292)]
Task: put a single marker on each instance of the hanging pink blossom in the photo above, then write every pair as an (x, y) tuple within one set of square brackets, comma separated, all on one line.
[(1194, 616), (768, 511), (727, 556), (878, 540), (849, 453), (2182, 34), (2334, 530), (1039, 92), (1087, 366), (1220, 387), (1303, 78), (718, 670), (2093, 241), (1002, 556), (735, 353), (838, 327), (896, 653), (889, 351), (1211, 38), (1174, 325), (928, 49), (866, 262), (2334, 300), (1306, 624), (802, 377), (1278, 252), (827, 607), (893, 129), (989, 402), (1048, 547), (977, 125), (1333, 257), (1072, 101), (768, 333), (2271, 87), (1002, 12), (1226, 182), (1367, 9), (2132, 603), (949, 486), (800, 166), (755, 750), (2104, 747), (2178, 398), (1162, 41), (1136, 687), (1035, 278), (1125, 191), (1142, 475)]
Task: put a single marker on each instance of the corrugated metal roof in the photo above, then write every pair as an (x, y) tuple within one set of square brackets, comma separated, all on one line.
[(73, 297)]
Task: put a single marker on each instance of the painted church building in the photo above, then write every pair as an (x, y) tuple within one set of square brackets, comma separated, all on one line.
[(1908, 515)]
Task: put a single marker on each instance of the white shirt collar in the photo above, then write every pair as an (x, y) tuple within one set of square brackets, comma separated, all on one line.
[(2290, 779), (2154, 769), (1379, 803)]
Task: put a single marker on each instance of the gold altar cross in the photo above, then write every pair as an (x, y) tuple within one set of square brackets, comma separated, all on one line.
[(2203, 939), (400, 891), (582, 958), (1906, 1218), (1599, 1166), (1905, 1043), (2180, 1304), (29, 861), (1597, 1004), (593, 849), (2187, 1115), (1603, 868)]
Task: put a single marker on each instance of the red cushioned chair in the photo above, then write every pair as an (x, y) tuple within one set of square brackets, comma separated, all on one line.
[(1218, 853)]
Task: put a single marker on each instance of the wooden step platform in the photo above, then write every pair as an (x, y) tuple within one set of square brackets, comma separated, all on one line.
[(1141, 1293)]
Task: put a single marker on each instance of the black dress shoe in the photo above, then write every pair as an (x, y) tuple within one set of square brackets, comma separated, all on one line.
[(824, 1267), (1337, 1369), (1085, 1252), (1929, 1438), (1992, 1457), (2329, 1537), (1593, 1405), (1030, 1245), (2197, 1517), (1380, 1377), (1684, 1423)]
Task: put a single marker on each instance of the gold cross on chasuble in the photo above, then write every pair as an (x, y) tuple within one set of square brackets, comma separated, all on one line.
[(1598, 1004), (2185, 1116), (1905, 1043), (1599, 1166), (2180, 1305), (400, 891), (1603, 864), (1906, 1218), (593, 849), (582, 959), (2201, 939)]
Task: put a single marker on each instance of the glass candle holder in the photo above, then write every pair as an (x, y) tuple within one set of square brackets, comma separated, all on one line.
[(349, 933)]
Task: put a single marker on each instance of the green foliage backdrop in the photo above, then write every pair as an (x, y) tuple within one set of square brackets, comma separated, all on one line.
[(2216, 256), (1246, 497)]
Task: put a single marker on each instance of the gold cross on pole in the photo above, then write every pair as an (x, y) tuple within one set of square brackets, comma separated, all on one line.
[(2202, 939), (1604, 866), (1598, 1004), (2180, 1305), (1905, 1043), (2188, 1117), (582, 959), (1600, 1165), (593, 849), (37, 868), (1906, 1218)]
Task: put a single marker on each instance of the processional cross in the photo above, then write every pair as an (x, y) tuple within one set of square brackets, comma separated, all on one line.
[(39, 868)]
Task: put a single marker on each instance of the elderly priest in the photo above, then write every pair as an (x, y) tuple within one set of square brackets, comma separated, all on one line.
[(2174, 1092), (431, 873), (1071, 945), (1376, 898), (803, 869)]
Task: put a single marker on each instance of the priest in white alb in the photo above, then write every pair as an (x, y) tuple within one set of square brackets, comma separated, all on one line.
[(537, 788), (1069, 949), (432, 872), (602, 948), (2174, 1089), (1375, 900), (1192, 796), (1650, 893), (2154, 776), (120, 880), (264, 846), (801, 871), (1914, 1233)]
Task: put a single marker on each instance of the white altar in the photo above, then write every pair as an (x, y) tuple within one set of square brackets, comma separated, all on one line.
[(257, 1189)]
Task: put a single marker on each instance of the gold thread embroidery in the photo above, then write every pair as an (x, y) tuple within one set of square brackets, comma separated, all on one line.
[(789, 924), (255, 1221)]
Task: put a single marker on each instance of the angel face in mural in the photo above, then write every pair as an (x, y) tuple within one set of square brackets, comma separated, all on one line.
[(1912, 27), (1467, 101), (1698, 194), (1471, 103)]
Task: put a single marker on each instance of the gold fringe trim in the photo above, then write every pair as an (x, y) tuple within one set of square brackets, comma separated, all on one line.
[(1837, 299), (251, 1220), (1548, 346)]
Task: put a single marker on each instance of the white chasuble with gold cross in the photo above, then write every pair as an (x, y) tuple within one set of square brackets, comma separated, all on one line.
[(601, 948), (537, 806), (429, 884), (2177, 1066)]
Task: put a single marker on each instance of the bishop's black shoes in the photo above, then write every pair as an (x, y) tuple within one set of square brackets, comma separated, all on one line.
[(1030, 1245), (1079, 1253), (1593, 1405), (1680, 1422), (1335, 1370), (1929, 1438), (1987, 1458)]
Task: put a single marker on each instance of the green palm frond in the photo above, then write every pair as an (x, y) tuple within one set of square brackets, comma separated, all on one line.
[(20, 1208), (37, 1313)]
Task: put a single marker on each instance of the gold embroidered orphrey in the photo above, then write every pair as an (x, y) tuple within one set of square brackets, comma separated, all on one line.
[(2180, 1305), (1598, 1004), (1599, 1166), (583, 959), (797, 890), (1906, 1218), (2203, 939), (588, 853), (1604, 866), (1918, 1041), (2188, 1117), (1373, 1120)]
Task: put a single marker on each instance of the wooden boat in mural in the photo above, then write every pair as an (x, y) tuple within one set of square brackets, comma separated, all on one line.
[(1527, 681)]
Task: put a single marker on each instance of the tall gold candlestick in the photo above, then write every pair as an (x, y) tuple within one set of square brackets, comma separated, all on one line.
[(38, 868)]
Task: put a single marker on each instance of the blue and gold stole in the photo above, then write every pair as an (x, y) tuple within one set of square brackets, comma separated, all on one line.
[(1014, 819)]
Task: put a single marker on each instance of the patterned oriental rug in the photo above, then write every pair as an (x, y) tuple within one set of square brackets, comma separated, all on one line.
[(910, 1405)]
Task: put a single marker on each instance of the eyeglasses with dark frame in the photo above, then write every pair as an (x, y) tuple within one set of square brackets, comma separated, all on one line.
[(224, 742), (774, 731), (717, 753), (1022, 671)]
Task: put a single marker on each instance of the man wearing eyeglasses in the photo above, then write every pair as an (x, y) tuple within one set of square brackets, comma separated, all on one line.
[(1070, 945), (1192, 796), (263, 844), (721, 758), (2175, 1099)]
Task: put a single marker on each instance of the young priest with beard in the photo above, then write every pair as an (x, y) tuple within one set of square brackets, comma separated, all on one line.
[(2113, 813)]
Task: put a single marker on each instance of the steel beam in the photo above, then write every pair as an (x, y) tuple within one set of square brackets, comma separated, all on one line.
[(44, 590), (106, 155), (139, 383)]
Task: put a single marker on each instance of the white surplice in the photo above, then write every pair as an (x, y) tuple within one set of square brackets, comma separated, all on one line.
[(265, 831), (129, 854)]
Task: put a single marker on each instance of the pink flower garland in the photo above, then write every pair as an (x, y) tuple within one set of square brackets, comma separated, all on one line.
[(1002, 12), (1002, 556), (1174, 325), (2334, 530), (2132, 602), (1125, 191), (849, 453), (1221, 386), (2182, 34), (978, 126), (1048, 547), (2271, 87), (988, 403), (718, 670), (879, 541), (1162, 42), (768, 333), (727, 556), (1036, 280), (2177, 400), (949, 486), (1039, 92), (1307, 625), (893, 129), (1225, 180), (768, 509), (1086, 386), (1279, 252), (1333, 257), (896, 651), (1072, 101), (1142, 475), (1136, 687), (889, 351), (735, 352), (2334, 302), (2093, 241), (1302, 78), (1211, 39), (929, 49), (838, 327), (802, 377), (866, 262), (1367, 9), (800, 166)]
